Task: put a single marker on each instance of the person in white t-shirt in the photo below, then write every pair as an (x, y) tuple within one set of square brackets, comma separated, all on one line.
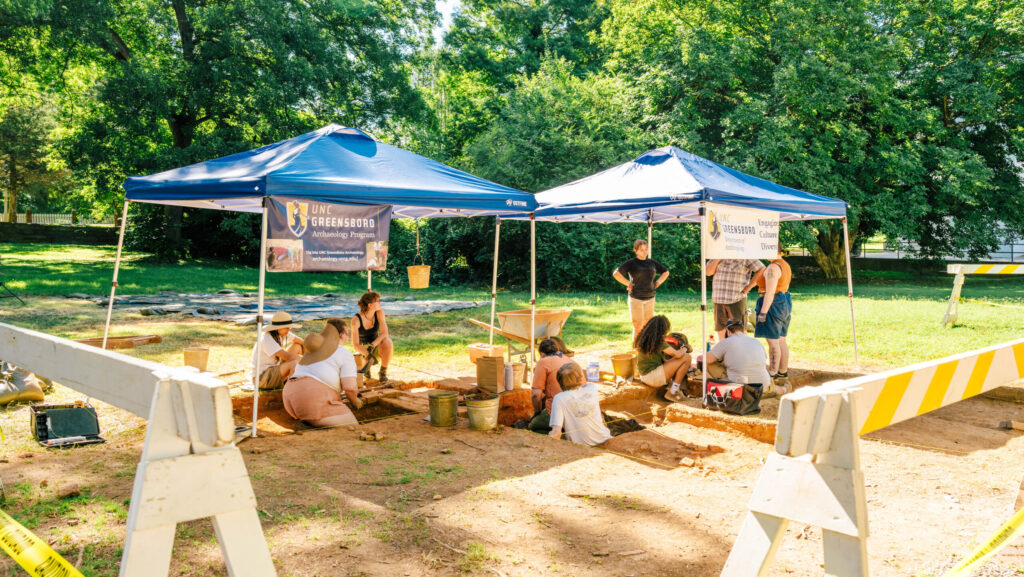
[(279, 352), (313, 393), (577, 409)]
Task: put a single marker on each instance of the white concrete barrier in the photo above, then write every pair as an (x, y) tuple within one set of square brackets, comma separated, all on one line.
[(190, 467)]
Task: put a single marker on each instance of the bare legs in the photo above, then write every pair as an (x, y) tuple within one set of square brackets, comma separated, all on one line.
[(676, 369), (778, 355)]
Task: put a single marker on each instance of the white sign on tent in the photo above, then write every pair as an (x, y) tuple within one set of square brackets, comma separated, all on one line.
[(741, 233)]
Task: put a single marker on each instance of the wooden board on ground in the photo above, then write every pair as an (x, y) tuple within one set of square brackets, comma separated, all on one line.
[(122, 342)]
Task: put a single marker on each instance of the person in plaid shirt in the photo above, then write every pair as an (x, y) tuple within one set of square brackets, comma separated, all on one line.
[(729, 288)]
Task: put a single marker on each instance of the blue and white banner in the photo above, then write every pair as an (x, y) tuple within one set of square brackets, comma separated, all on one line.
[(305, 235)]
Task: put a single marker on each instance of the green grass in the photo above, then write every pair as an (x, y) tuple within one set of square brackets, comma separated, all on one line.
[(898, 313)]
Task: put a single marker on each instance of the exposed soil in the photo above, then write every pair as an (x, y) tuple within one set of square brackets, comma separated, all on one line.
[(451, 501)]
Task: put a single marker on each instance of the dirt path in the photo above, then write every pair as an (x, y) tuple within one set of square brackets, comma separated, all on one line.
[(429, 501)]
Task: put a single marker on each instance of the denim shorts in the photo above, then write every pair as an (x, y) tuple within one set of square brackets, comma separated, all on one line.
[(776, 323)]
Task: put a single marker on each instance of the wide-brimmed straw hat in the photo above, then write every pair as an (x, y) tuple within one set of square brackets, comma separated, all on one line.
[(320, 346), (280, 320)]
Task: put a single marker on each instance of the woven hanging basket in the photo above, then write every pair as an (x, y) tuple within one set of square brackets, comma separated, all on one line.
[(419, 276)]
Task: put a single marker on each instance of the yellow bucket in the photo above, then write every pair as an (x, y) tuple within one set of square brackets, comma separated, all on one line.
[(623, 365), (419, 276), (197, 357), (483, 412)]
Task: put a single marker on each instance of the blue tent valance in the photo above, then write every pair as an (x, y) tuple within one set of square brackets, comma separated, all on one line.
[(333, 164)]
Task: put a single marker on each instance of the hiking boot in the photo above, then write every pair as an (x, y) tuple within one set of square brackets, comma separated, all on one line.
[(382, 377), (674, 397)]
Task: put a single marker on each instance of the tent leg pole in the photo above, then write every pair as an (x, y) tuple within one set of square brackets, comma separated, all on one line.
[(494, 278), (650, 233), (533, 284), (703, 306), (117, 266), (849, 287), (369, 280), (259, 322)]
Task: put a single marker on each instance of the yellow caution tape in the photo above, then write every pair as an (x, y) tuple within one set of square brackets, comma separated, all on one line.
[(31, 552), (1003, 537)]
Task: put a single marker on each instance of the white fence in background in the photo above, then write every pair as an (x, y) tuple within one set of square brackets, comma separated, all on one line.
[(56, 218)]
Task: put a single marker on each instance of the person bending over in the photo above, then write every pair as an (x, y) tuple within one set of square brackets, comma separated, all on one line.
[(576, 410), (313, 394), (279, 352), (545, 384), (660, 363), (741, 357), (370, 335)]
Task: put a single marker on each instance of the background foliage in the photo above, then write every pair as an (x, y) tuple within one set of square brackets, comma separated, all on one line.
[(911, 112)]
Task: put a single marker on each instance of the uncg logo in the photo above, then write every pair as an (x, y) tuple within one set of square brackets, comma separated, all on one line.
[(297, 215), (716, 228)]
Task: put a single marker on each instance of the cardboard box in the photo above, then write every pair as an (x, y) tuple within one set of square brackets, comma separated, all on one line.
[(477, 350)]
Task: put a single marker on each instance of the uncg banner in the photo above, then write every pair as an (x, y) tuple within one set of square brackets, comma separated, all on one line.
[(305, 235), (741, 233)]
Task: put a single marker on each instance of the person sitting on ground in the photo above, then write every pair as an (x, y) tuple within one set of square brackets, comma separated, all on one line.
[(370, 335), (660, 363), (739, 358), (545, 384), (313, 393), (279, 352), (577, 410)]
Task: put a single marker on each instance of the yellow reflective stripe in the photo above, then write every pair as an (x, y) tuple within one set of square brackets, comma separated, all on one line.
[(887, 402), (1018, 355), (982, 269), (979, 374), (1009, 269), (938, 387)]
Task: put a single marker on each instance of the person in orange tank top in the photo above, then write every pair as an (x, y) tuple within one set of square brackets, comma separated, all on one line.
[(774, 311)]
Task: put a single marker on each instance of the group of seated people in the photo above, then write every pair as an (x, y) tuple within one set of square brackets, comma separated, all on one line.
[(565, 403), (315, 371)]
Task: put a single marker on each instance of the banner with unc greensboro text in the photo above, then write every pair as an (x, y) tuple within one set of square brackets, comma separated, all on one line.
[(305, 235), (741, 233)]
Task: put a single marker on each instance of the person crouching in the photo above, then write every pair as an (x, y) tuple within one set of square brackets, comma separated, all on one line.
[(577, 409), (313, 393)]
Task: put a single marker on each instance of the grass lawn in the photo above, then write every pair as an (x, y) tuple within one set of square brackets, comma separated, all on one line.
[(898, 314)]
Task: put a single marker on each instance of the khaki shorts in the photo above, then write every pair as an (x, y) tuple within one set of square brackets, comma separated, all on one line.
[(655, 378), (270, 379), (640, 311), (723, 313)]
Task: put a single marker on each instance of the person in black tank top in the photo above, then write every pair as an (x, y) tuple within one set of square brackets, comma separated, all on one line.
[(370, 335)]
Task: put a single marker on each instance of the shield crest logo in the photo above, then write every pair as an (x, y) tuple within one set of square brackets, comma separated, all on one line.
[(297, 217), (716, 229)]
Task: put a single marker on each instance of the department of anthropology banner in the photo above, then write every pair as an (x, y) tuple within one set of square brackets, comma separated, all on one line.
[(741, 233), (305, 235)]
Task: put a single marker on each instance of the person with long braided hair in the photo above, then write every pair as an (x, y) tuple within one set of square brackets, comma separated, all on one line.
[(660, 363)]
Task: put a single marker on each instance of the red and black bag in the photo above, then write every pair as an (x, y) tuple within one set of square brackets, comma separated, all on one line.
[(734, 398)]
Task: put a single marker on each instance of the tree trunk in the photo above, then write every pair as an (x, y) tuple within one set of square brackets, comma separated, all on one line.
[(830, 253), (12, 191)]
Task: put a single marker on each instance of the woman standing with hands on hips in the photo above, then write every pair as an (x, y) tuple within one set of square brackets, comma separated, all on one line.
[(641, 276)]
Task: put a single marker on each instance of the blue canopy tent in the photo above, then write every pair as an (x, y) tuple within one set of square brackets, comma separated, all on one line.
[(671, 185), (333, 164)]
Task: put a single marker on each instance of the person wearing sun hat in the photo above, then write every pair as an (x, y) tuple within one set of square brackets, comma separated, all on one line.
[(279, 352), (313, 393)]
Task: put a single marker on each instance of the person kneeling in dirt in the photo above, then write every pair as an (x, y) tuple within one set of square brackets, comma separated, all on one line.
[(545, 384), (576, 410), (738, 358), (659, 362), (313, 394), (279, 351)]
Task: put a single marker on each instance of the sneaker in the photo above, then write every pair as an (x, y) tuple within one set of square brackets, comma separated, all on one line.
[(780, 375), (382, 377), (674, 396)]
